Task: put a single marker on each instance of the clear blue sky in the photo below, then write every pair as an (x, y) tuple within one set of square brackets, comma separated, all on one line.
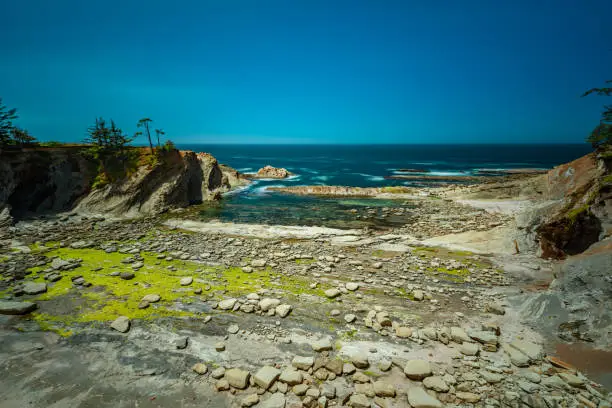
[(309, 71)]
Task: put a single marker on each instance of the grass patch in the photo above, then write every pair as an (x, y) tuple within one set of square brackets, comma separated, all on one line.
[(305, 261)]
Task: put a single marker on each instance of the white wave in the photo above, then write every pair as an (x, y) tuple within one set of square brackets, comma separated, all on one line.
[(448, 173), (502, 169), (263, 190), (370, 177), (238, 190), (322, 178), (307, 170), (409, 172), (245, 169)]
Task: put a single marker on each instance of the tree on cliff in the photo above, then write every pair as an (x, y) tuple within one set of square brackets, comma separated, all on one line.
[(602, 134), (106, 141), (159, 132), (144, 123), (22, 136), (7, 116)]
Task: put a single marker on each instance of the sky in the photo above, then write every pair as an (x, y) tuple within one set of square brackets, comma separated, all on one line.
[(309, 71)]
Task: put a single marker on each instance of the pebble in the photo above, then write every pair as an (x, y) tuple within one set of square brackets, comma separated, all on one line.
[(181, 342), (186, 281), (200, 368), (121, 324), (332, 293)]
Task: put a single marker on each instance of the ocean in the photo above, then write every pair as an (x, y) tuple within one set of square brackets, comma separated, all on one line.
[(359, 166)]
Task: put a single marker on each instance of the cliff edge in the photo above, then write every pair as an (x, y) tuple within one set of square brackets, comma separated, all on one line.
[(40, 180)]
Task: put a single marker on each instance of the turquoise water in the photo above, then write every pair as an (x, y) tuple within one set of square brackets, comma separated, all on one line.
[(359, 166)]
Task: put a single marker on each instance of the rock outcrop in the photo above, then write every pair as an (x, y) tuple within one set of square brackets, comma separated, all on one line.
[(42, 180), (584, 216), (342, 191), (271, 172), (180, 180), (59, 179)]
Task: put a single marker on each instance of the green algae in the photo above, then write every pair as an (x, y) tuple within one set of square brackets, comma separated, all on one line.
[(450, 275), (110, 296), (380, 253)]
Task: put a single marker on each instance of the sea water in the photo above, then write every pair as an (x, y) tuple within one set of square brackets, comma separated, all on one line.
[(358, 166)]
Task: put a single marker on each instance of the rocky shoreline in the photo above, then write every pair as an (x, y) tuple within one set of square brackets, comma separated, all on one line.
[(162, 311)]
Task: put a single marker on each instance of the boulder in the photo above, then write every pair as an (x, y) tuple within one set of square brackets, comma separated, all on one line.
[(322, 345), (291, 377), (383, 389), (121, 324), (266, 376), (359, 401), (276, 400), (16, 308), (34, 288), (152, 298), (249, 400), (283, 310), (418, 398), (237, 378), (417, 369), (332, 293), (268, 303), (403, 332), (302, 363), (227, 304), (435, 383), (186, 281)]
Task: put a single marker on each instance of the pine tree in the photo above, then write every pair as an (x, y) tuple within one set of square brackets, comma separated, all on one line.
[(602, 134), (22, 136), (159, 132), (7, 116), (144, 123)]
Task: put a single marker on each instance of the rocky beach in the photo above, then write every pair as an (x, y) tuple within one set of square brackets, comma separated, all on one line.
[(492, 293)]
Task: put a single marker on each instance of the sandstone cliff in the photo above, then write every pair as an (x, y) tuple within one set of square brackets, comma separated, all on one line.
[(583, 215), (60, 179)]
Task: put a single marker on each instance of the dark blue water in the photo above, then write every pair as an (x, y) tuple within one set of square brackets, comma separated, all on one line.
[(356, 165)]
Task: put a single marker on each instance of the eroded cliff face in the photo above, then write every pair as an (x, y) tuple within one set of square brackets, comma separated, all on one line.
[(42, 180), (60, 179), (583, 218), (175, 182)]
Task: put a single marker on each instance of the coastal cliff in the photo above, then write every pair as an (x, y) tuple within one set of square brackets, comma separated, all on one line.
[(42, 180), (583, 216)]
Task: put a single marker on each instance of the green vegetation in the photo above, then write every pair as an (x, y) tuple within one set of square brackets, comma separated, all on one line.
[(62, 306), (10, 134), (601, 136), (573, 214), (450, 275), (305, 261), (395, 190), (144, 123), (113, 155)]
